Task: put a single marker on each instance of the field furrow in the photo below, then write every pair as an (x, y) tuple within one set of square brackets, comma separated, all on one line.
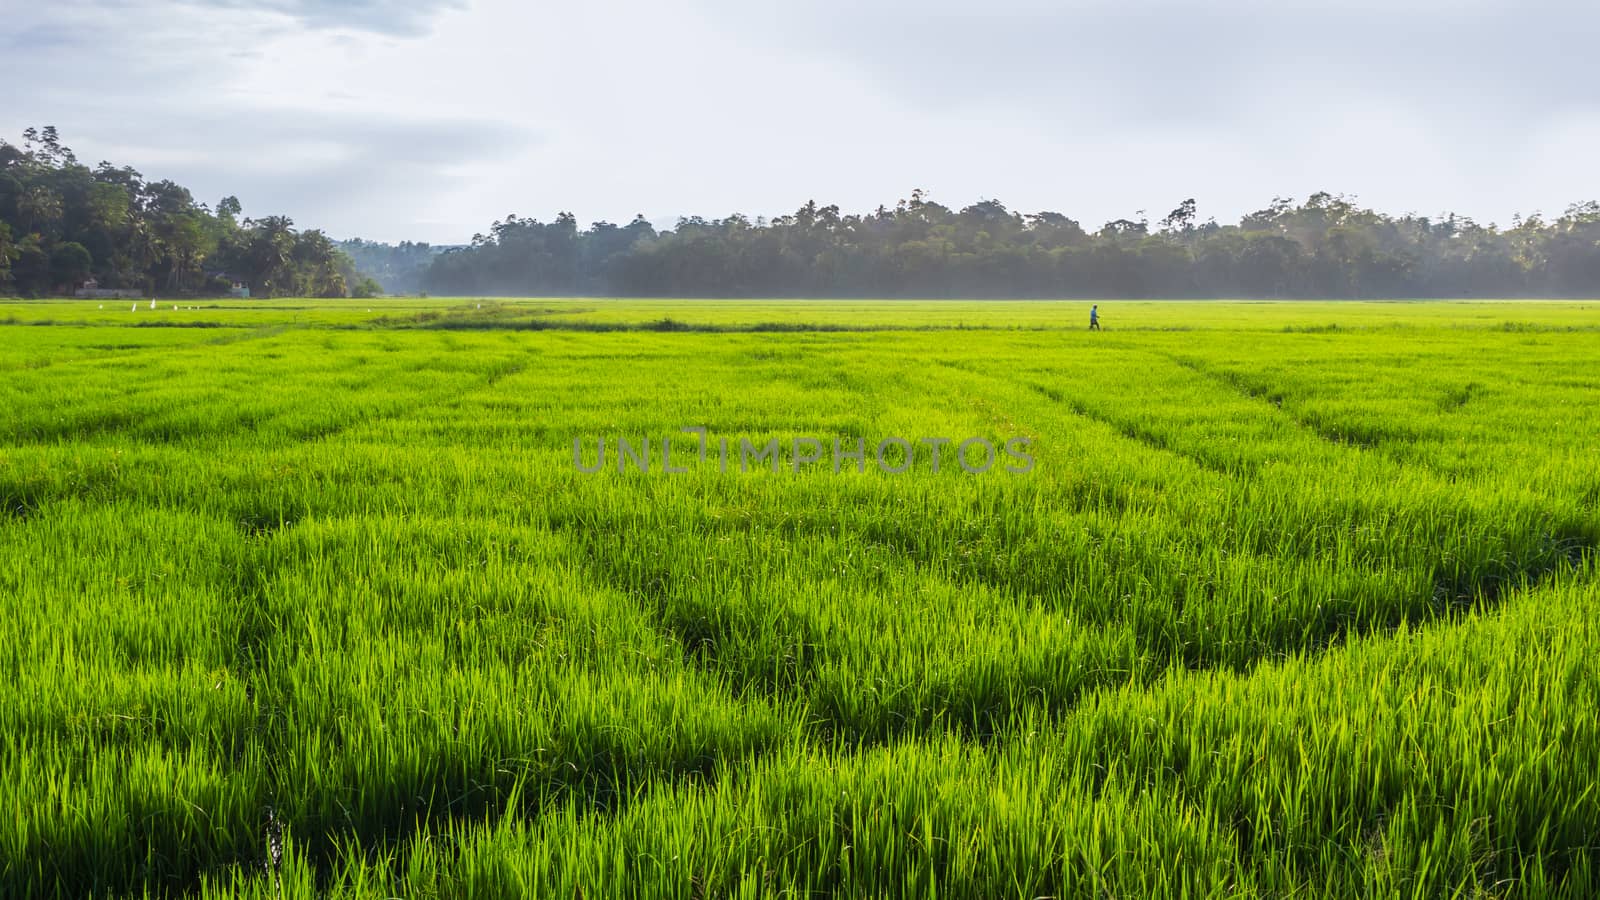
[(1274, 609)]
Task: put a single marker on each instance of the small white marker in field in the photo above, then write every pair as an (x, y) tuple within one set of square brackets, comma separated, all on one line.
[(152, 303), (174, 307), (135, 308)]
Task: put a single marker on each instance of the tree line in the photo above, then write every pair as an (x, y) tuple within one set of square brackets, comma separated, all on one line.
[(64, 224), (400, 268), (1323, 247)]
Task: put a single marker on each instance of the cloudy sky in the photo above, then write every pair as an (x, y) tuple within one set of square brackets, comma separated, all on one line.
[(428, 119)]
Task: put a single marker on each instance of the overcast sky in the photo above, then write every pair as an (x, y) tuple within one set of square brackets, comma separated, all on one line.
[(428, 119)]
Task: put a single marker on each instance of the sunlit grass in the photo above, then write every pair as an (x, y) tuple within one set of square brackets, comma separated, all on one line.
[(1281, 609), (605, 313)]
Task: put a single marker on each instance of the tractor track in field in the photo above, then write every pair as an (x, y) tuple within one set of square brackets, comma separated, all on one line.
[(420, 402), (726, 611), (1229, 468), (1343, 438), (1144, 436), (466, 788), (709, 630)]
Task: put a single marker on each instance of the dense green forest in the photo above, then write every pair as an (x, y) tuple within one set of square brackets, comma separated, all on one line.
[(62, 223), (1325, 247)]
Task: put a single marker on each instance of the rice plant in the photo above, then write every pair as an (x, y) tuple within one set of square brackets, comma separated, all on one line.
[(306, 599)]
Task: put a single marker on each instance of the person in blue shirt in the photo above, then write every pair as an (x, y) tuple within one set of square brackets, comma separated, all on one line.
[(1094, 317)]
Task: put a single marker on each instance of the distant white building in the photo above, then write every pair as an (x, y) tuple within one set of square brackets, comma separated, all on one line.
[(237, 288)]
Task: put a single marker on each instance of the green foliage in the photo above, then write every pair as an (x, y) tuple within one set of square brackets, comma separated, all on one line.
[(8, 254), (1287, 607), (66, 222), (70, 262), (366, 289), (1324, 248), (154, 237)]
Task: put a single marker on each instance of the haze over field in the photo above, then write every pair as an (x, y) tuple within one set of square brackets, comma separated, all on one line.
[(426, 120)]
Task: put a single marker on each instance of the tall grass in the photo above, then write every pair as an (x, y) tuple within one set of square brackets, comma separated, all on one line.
[(1277, 612)]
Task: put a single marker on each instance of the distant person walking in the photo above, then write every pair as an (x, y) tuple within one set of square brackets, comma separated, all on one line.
[(1094, 317)]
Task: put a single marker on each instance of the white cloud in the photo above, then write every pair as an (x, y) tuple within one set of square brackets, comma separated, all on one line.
[(427, 120)]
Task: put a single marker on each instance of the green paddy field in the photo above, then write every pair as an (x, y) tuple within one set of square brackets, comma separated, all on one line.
[(309, 598)]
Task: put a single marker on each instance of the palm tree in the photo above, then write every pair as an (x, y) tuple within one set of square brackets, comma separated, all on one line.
[(269, 251), (38, 209), (185, 252), (145, 249)]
